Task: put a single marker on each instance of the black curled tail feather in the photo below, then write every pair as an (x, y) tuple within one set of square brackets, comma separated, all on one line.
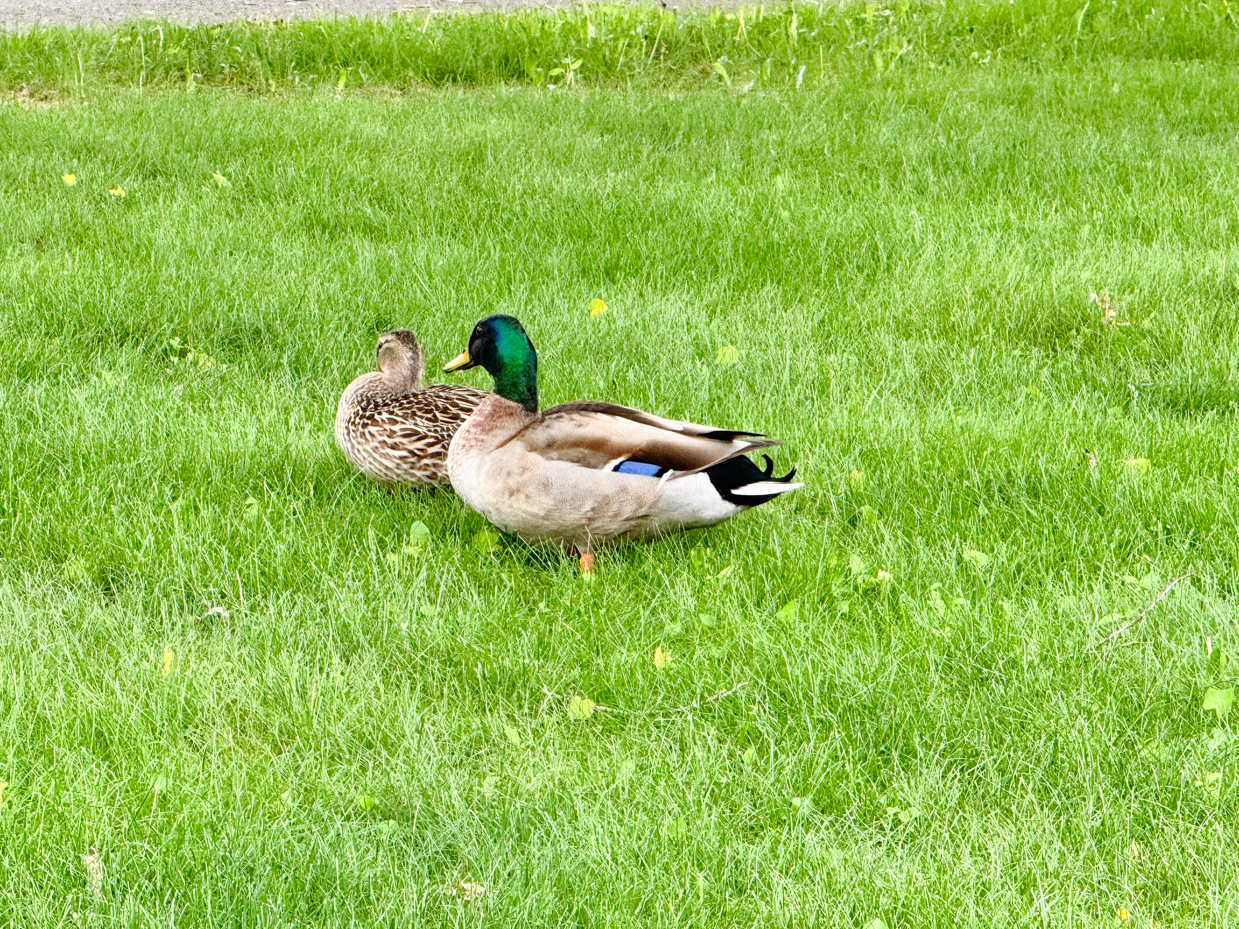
[(768, 474), (727, 476)]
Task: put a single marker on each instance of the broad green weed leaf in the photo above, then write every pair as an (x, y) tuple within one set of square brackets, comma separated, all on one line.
[(727, 355), (581, 707), (512, 734), (1220, 700), (904, 816), (788, 612), (418, 538), (1217, 661), (1211, 781), (486, 540), (974, 557)]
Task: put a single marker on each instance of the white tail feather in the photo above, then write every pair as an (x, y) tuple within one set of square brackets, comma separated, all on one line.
[(764, 488)]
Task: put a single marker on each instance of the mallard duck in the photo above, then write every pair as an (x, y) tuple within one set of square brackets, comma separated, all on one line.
[(587, 473), (394, 429)]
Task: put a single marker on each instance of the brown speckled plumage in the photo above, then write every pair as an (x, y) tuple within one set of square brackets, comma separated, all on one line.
[(394, 429)]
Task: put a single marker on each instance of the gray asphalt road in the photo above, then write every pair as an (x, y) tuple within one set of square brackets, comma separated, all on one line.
[(22, 14)]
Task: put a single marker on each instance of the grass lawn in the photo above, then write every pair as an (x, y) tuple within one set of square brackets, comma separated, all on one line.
[(878, 702)]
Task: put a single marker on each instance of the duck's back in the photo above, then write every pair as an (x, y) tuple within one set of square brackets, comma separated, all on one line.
[(401, 439)]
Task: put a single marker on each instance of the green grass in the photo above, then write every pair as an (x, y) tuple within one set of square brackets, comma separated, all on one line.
[(784, 44), (904, 261)]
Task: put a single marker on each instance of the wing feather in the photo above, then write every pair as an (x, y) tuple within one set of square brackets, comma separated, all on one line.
[(594, 435)]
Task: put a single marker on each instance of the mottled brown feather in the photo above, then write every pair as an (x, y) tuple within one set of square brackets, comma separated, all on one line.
[(394, 429)]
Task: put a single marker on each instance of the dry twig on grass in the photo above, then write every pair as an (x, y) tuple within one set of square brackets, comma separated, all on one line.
[(688, 708), (1143, 613)]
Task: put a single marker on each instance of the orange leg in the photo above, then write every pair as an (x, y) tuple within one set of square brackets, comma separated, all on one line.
[(587, 562)]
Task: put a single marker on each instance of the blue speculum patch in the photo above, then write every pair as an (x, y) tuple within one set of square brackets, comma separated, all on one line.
[(645, 469)]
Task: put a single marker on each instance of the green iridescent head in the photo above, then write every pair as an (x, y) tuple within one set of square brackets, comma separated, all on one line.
[(499, 345)]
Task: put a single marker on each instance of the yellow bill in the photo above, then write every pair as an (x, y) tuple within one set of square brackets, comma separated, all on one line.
[(460, 363)]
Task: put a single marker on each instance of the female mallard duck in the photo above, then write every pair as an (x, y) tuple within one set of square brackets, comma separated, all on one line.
[(585, 473), (394, 429)]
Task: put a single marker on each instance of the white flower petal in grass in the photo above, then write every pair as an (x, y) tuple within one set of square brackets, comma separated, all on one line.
[(92, 861), (466, 892), (225, 617)]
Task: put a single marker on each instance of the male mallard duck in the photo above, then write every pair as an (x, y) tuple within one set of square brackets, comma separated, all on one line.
[(394, 429), (585, 473)]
